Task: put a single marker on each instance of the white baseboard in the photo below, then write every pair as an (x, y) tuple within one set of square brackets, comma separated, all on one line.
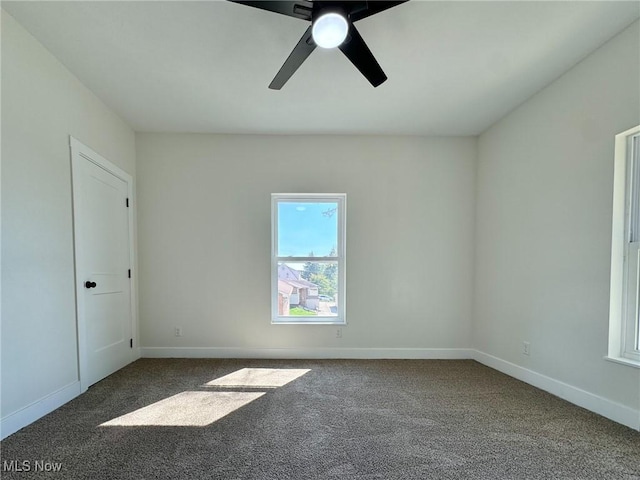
[(594, 403), (309, 353), (38, 409)]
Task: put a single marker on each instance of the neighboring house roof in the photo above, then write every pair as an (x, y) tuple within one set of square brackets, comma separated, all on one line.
[(292, 277), (284, 287), (285, 272), (302, 283)]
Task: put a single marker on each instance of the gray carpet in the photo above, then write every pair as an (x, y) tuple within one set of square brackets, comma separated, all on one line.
[(342, 419)]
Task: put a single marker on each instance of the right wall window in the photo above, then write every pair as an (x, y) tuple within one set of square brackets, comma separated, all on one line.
[(624, 316)]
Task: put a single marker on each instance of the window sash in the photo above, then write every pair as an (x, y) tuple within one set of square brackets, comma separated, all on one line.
[(633, 204), (308, 259), (631, 311)]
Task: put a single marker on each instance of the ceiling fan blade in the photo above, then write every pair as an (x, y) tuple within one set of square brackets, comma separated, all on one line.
[(299, 54), (372, 8), (357, 51), (298, 9)]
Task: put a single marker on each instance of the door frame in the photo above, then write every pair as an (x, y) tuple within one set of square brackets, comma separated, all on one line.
[(81, 153)]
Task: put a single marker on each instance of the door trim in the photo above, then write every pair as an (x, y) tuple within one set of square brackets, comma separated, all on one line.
[(80, 153)]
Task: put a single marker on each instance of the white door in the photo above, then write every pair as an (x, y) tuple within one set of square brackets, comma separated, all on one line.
[(102, 226)]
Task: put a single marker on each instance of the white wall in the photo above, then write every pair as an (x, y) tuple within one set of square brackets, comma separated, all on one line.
[(544, 208), (42, 104), (204, 236)]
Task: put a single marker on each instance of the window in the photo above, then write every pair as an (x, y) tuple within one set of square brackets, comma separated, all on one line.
[(308, 258), (624, 316)]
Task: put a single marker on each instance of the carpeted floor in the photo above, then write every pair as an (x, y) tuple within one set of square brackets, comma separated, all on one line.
[(341, 419)]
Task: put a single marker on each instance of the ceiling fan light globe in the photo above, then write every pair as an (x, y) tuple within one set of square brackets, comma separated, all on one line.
[(329, 30)]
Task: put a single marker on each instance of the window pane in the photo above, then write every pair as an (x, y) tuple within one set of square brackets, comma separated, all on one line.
[(308, 289), (307, 229)]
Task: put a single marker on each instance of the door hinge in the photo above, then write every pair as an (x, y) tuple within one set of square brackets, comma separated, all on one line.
[(127, 203), (131, 343), (129, 273)]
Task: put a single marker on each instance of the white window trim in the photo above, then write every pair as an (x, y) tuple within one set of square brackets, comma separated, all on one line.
[(341, 200), (625, 260)]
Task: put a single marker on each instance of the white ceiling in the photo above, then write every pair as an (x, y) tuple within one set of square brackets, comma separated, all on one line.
[(454, 68)]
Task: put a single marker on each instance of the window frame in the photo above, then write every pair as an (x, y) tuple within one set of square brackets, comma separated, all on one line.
[(624, 313), (341, 200)]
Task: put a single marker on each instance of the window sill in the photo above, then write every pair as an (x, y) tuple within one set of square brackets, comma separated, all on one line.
[(339, 323), (624, 361)]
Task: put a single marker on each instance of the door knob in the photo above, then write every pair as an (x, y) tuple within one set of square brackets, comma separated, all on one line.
[(89, 284)]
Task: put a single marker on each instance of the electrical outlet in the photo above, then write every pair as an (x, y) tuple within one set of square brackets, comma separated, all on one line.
[(339, 333), (526, 348), (178, 332)]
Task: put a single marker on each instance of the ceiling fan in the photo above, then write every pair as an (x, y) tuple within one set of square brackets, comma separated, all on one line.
[(332, 25)]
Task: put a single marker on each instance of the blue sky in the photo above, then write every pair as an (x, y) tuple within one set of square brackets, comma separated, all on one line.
[(302, 228)]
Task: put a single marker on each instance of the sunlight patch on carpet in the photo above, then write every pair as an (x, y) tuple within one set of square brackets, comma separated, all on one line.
[(186, 409), (259, 377)]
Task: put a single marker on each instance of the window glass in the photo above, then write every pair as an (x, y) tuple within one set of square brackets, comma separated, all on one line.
[(307, 229)]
